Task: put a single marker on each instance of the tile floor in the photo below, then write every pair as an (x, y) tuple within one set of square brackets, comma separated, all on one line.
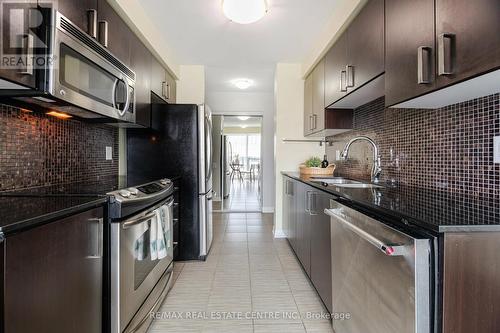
[(250, 278), (244, 196)]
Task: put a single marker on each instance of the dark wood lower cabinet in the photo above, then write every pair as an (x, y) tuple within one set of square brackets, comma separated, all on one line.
[(308, 231), (471, 296), (53, 277), (321, 253)]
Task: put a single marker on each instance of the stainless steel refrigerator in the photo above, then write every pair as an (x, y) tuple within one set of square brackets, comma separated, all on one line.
[(178, 144)]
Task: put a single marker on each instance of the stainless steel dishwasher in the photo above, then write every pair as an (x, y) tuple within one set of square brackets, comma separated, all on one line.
[(380, 276)]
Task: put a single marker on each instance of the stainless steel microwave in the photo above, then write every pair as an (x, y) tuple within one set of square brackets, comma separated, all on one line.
[(80, 76)]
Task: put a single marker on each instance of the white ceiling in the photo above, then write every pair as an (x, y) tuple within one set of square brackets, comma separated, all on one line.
[(200, 34)]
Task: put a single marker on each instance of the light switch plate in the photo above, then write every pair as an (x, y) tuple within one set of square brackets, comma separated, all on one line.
[(496, 149), (109, 153)]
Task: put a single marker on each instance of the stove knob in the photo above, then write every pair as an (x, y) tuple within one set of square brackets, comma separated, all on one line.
[(133, 190), (124, 193), (165, 181)]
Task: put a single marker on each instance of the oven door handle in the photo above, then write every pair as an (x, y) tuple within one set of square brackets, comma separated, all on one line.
[(139, 220)]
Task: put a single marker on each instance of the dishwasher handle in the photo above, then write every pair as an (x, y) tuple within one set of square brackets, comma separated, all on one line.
[(390, 250)]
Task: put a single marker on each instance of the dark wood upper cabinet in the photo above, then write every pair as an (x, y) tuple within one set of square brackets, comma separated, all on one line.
[(140, 62), (365, 45), (119, 34), (16, 23), (318, 97), (335, 75), (75, 11), (308, 104), (409, 49), (468, 38)]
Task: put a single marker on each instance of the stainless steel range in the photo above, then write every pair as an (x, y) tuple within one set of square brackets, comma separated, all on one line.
[(141, 253)]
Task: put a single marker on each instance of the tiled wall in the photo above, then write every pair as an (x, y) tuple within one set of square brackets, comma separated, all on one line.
[(450, 148), (40, 150)]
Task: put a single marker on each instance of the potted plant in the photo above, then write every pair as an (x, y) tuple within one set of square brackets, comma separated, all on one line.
[(313, 167)]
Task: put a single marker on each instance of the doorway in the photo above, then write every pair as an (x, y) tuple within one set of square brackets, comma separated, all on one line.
[(239, 158)]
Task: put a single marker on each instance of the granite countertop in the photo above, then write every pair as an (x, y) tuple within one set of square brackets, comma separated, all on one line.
[(20, 212), (432, 210)]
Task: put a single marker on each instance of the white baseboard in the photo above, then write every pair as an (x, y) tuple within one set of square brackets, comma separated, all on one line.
[(279, 234), (267, 209)]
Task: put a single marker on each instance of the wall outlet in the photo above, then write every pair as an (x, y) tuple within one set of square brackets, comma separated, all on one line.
[(496, 149), (337, 155), (109, 153)]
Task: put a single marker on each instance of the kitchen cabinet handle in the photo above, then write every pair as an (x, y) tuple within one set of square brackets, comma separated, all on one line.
[(343, 87), (423, 64), (29, 44), (389, 250), (92, 23), (315, 121), (103, 33), (349, 76), (168, 91), (163, 89), (97, 254), (310, 123), (446, 46)]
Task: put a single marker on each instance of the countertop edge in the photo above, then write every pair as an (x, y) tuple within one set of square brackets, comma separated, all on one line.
[(417, 223), (35, 221)]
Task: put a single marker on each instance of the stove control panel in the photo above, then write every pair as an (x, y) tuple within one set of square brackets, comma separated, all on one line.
[(143, 192)]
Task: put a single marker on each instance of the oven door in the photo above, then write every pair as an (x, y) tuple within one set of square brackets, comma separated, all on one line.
[(138, 271), (83, 77)]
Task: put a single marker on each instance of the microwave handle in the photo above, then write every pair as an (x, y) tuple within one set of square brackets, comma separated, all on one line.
[(127, 94)]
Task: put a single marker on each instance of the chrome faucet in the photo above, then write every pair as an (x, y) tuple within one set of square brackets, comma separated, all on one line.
[(376, 169)]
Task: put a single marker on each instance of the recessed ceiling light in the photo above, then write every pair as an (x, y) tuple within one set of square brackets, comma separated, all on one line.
[(244, 11), (243, 118), (242, 83)]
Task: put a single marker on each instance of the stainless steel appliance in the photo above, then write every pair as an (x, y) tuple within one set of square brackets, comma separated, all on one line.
[(139, 280), (179, 143), (380, 275), (205, 178), (79, 76)]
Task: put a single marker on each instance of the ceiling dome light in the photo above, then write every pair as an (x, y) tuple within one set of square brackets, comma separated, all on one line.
[(243, 118), (242, 83), (244, 11)]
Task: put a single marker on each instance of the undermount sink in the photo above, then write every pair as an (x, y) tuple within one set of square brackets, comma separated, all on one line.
[(343, 182)]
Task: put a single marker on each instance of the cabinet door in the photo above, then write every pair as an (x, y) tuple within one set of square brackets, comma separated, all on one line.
[(119, 34), (321, 259), (335, 75), (75, 11), (365, 45), (468, 38), (15, 24), (140, 62), (409, 49), (158, 78), (318, 110), (53, 277), (303, 227), (308, 104)]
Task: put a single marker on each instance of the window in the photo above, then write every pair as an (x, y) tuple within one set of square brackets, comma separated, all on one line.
[(246, 149)]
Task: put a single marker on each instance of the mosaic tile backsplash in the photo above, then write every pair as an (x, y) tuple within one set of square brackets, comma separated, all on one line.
[(448, 149), (40, 150)]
